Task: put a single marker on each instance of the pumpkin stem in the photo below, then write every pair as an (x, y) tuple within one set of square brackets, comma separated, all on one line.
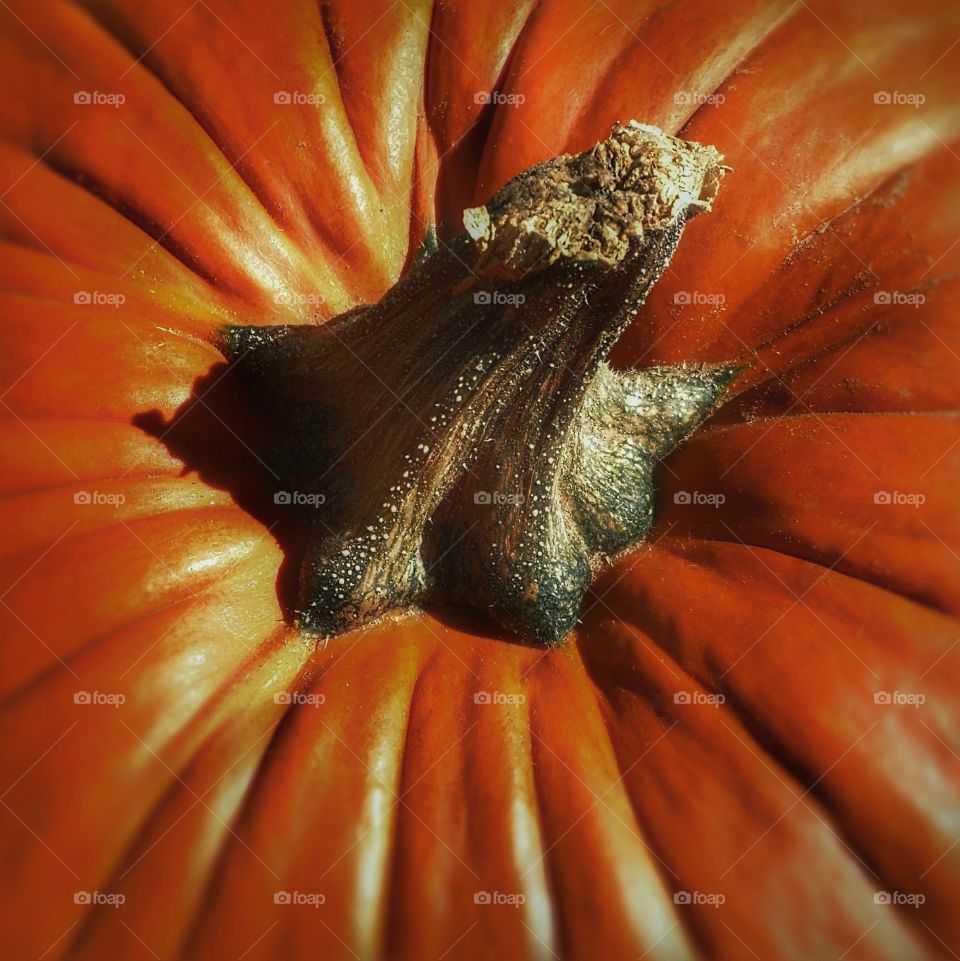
[(467, 436)]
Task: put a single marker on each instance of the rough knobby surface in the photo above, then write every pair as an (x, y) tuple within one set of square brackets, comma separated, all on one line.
[(467, 437)]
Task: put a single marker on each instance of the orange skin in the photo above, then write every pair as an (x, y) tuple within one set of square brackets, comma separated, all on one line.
[(598, 797)]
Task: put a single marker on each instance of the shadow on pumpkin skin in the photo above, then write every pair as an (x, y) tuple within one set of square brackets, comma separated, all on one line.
[(466, 620), (221, 438)]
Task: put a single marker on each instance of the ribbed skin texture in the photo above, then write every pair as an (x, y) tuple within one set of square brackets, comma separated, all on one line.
[(601, 779)]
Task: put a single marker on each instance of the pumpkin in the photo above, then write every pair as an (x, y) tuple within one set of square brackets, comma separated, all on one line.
[(747, 747)]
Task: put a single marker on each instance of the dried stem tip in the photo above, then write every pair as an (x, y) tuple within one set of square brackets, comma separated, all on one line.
[(593, 206)]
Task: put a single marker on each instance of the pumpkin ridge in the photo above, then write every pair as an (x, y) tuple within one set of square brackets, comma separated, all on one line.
[(485, 117), (574, 678), (48, 673), (843, 299), (151, 229), (178, 782), (788, 769), (810, 360), (788, 14), (329, 249), (836, 568), (389, 919)]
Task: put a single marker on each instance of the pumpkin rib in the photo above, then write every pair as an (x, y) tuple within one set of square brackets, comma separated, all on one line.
[(874, 381), (688, 921), (393, 865), (884, 152), (834, 818), (629, 665), (843, 298), (778, 22), (174, 469), (825, 313), (586, 760), (131, 445), (92, 920), (72, 191), (191, 927), (58, 315), (678, 545), (151, 229), (192, 941), (141, 62), (810, 360), (170, 583), (176, 495), (40, 250), (58, 296), (352, 116), (27, 684), (102, 192), (842, 517), (837, 569), (845, 794), (213, 234), (791, 778), (391, 921), (179, 776), (207, 339), (167, 740), (481, 128), (616, 67), (438, 114), (448, 207), (552, 871), (324, 13)]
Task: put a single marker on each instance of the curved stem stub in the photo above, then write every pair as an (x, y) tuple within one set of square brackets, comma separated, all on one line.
[(464, 438)]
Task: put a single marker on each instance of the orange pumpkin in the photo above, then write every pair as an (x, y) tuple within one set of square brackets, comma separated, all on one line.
[(748, 747)]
